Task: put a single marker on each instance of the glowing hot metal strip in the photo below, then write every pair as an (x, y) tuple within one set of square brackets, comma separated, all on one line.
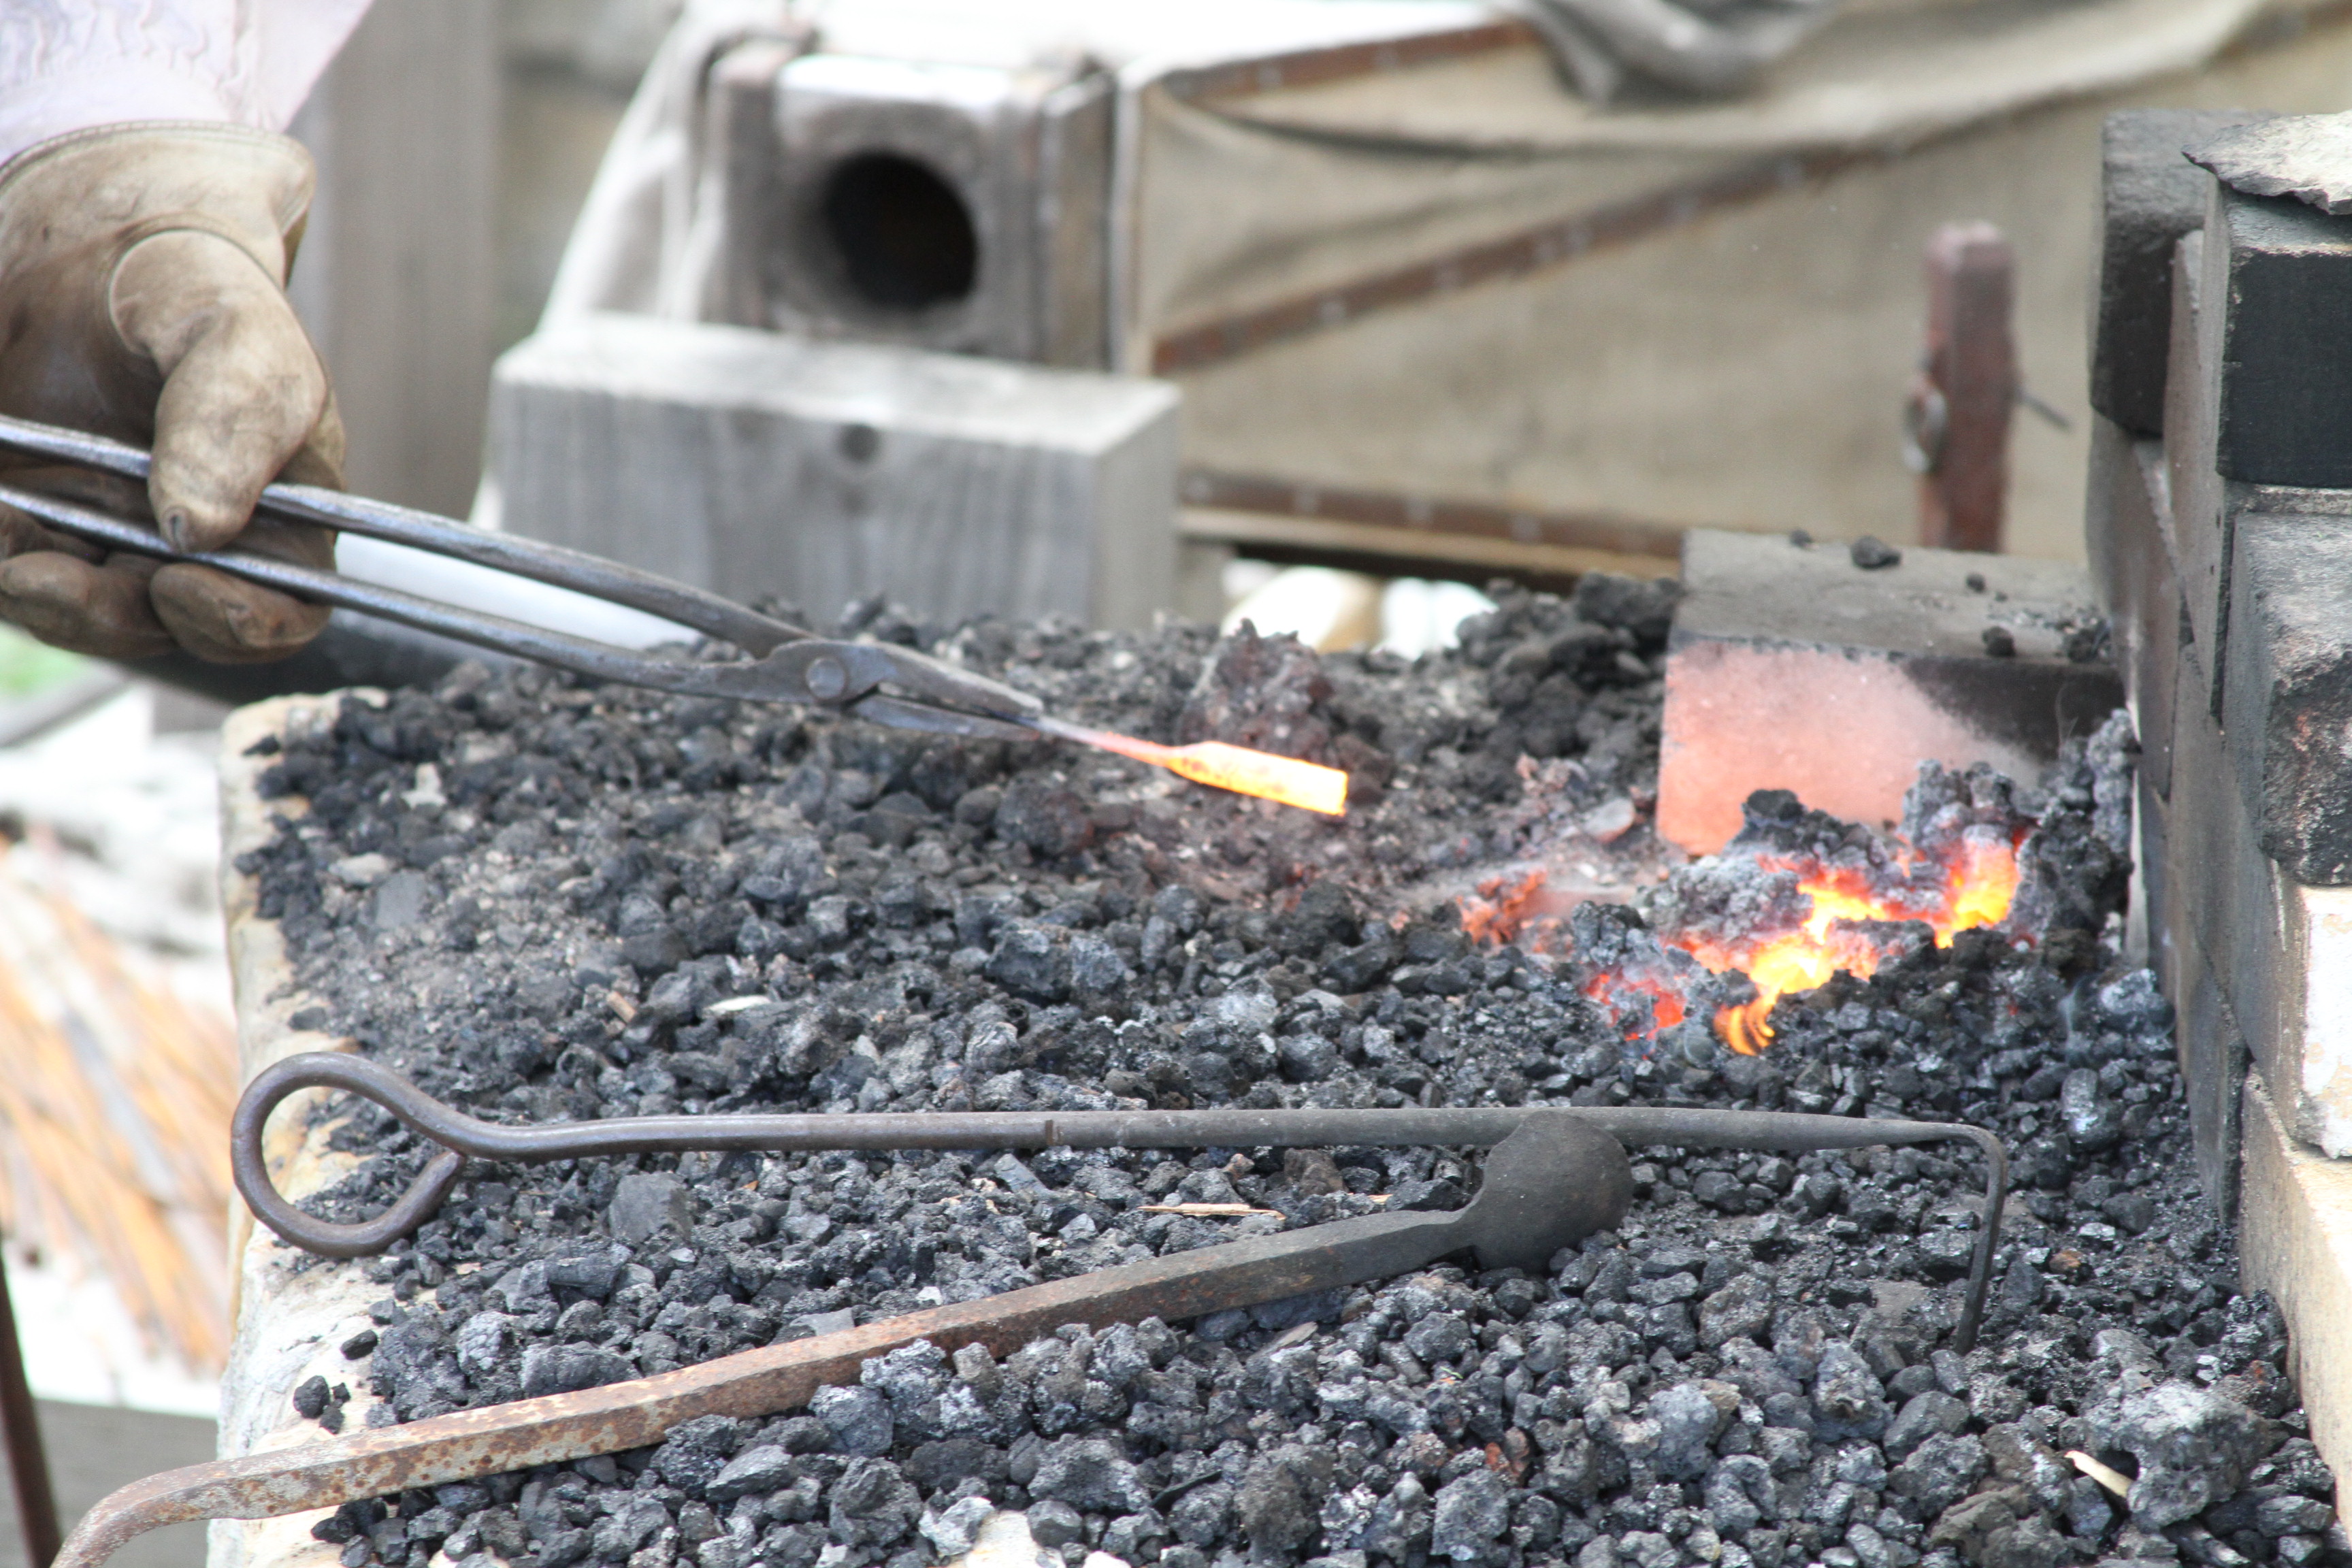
[(1220, 766)]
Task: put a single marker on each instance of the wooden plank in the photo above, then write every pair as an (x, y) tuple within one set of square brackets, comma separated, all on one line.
[(1407, 546)]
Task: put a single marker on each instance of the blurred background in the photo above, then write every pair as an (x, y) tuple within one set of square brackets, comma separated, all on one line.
[(1325, 314)]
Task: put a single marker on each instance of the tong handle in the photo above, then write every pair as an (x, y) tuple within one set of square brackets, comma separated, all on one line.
[(807, 670), (553, 564), (583, 656)]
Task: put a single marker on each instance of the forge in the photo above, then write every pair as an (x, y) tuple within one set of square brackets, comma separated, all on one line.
[(1957, 885), (543, 900), (1835, 671)]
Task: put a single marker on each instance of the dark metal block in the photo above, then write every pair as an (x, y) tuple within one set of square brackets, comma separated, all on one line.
[(2281, 274), (1798, 668), (2128, 526), (963, 209), (2200, 555), (2287, 693), (2151, 196)]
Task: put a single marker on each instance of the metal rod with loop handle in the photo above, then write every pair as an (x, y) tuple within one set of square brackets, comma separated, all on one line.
[(460, 1135)]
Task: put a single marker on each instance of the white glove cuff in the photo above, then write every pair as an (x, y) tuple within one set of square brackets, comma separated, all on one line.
[(54, 105)]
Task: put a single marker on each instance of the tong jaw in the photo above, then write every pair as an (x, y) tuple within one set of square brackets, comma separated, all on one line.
[(927, 693)]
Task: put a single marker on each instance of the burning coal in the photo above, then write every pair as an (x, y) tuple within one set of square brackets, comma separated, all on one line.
[(1797, 896)]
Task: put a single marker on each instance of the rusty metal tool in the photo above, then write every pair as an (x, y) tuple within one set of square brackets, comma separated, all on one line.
[(1957, 418), (1546, 1186), (461, 1135)]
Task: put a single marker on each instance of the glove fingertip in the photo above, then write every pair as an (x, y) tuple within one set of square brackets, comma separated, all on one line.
[(223, 621), (191, 522)]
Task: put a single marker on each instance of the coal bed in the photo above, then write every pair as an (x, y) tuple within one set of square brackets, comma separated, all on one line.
[(546, 900)]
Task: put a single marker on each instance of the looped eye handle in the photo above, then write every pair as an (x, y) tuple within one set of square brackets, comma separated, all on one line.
[(460, 1136), (323, 1069)]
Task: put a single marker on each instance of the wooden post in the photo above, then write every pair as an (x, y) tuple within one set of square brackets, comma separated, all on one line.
[(1957, 420), (756, 462)]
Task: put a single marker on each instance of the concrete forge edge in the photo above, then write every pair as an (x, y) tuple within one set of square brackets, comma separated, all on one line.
[(289, 1312), (2295, 1241)]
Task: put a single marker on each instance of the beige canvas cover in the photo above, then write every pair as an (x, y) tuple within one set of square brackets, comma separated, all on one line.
[(1740, 363)]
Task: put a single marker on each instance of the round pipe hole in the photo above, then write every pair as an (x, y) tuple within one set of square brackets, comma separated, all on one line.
[(904, 238)]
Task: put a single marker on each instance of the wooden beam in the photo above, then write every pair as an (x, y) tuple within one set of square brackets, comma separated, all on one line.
[(1411, 551)]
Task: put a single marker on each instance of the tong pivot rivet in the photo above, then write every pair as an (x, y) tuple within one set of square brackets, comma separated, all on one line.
[(827, 678)]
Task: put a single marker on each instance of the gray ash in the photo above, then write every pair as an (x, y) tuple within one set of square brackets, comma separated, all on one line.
[(545, 900)]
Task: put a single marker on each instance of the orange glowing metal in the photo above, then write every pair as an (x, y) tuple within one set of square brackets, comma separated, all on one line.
[(1220, 766)]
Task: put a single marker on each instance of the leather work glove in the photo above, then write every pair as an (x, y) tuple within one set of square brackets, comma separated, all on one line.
[(143, 272)]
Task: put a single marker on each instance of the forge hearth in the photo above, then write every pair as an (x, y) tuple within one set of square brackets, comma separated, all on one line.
[(543, 900)]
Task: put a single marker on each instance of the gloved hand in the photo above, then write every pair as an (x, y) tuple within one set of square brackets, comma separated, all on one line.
[(143, 272)]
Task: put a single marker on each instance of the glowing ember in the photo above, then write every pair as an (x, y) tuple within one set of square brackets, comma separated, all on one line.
[(1977, 892), (1795, 899), (1620, 994), (1504, 910), (1236, 768)]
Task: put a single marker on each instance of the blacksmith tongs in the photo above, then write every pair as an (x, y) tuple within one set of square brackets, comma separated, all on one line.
[(787, 663)]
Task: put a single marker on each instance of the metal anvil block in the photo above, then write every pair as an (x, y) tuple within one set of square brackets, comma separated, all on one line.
[(1792, 667), (2150, 196), (958, 207)]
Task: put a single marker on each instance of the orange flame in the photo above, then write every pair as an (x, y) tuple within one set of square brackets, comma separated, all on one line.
[(1214, 763), (1977, 893), (1977, 888)]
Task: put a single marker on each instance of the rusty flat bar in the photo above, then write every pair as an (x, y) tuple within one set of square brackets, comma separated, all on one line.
[(1341, 62), (1545, 1187), (1534, 249), (1418, 517), (1969, 388)]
